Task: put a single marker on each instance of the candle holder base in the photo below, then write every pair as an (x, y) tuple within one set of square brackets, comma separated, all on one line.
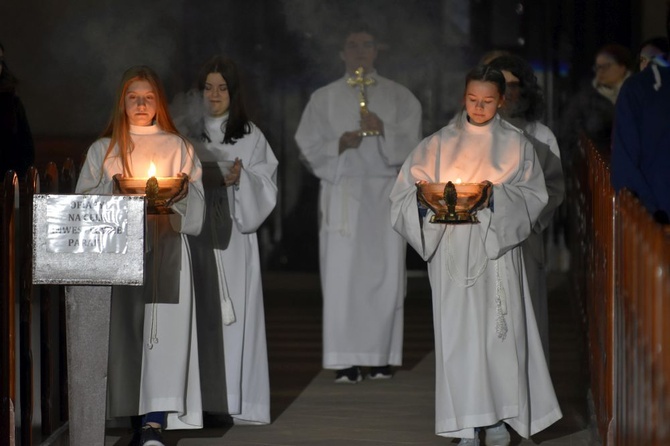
[(365, 133), (455, 218)]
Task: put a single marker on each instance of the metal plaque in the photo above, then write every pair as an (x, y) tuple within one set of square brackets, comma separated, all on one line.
[(88, 239)]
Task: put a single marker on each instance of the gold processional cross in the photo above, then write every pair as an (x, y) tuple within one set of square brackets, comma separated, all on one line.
[(360, 81)]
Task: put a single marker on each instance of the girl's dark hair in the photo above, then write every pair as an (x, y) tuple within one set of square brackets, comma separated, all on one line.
[(237, 124), (486, 73), (529, 90)]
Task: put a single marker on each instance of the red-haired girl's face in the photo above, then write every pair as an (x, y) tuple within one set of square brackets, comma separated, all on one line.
[(140, 103)]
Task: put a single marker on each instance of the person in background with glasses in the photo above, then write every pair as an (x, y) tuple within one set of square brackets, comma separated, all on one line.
[(592, 110), (17, 151)]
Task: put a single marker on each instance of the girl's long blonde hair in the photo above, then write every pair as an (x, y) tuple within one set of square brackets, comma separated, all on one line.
[(118, 127)]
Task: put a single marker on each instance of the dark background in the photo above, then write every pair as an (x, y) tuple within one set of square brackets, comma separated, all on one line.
[(69, 56)]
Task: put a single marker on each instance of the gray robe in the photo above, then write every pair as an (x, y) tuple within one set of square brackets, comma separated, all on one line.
[(548, 155)]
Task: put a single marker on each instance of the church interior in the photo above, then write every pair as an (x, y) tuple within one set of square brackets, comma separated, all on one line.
[(69, 56)]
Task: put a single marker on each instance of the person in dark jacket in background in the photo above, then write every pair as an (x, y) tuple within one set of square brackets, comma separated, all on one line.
[(641, 138), (591, 111), (17, 151)]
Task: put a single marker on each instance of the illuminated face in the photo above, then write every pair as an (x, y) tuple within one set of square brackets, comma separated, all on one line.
[(608, 71), (359, 50), (482, 100), (215, 95), (140, 103)]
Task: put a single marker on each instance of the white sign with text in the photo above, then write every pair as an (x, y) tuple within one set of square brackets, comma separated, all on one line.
[(88, 239), (77, 224)]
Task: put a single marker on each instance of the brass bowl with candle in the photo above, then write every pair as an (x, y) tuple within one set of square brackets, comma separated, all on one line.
[(159, 191), (452, 203)]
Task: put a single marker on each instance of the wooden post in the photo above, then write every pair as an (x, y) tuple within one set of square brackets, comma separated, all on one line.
[(25, 305), (49, 185), (66, 185), (7, 295)]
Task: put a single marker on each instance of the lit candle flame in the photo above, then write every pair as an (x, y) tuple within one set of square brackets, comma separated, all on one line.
[(152, 170), (458, 181)]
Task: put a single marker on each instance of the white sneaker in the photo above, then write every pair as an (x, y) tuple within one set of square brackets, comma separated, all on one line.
[(469, 441), (497, 435), (351, 375), (380, 372)]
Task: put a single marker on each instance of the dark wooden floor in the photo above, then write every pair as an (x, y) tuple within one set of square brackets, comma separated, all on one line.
[(293, 322)]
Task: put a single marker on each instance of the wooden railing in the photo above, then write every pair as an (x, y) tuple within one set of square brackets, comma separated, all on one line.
[(621, 272), (642, 340), (16, 248)]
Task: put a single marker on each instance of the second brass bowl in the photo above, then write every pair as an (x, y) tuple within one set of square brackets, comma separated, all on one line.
[(451, 203)]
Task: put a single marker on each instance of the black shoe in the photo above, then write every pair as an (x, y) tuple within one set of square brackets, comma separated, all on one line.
[(383, 372), (151, 436), (352, 375)]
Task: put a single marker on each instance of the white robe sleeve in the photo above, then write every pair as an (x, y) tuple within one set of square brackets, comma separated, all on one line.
[(256, 196), (401, 136), (549, 157), (517, 205), (190, 211), (422, 235), (92, 179), (318, 144)]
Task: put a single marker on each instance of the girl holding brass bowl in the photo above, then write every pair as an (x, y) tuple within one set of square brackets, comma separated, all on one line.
[(490, 368), (240, 195), (153, 352)]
